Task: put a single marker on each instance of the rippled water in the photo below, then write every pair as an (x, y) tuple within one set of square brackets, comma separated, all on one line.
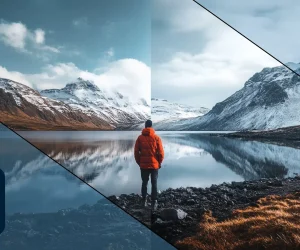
[(105, 159)]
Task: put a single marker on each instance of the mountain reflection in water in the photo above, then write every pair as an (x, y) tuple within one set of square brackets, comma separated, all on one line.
[(105, 160)]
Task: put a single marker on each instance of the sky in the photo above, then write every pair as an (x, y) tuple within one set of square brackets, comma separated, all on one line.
[(46, 44), (170, 49), (198, 60)]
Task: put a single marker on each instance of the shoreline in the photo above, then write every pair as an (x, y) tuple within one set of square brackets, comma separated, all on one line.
[(288, 136), (181, 210)]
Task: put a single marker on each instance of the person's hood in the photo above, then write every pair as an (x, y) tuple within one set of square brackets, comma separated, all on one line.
[(148, 131)]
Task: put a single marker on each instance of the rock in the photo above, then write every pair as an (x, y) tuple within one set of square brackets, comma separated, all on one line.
[(225, 197), (230, 202), (179, 201), (190, 202), (277, 183), (203, 198), (225, 189), (172, 214), (237, 184)]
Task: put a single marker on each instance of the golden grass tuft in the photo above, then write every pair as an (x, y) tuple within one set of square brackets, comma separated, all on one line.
[(273, 224)]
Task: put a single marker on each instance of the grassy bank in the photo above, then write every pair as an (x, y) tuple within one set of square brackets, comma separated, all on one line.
[(272, 224)]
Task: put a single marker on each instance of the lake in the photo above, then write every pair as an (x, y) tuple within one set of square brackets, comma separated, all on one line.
[(105, 159), (42, 191)]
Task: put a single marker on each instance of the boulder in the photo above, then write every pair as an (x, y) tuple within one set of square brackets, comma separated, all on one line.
[(172, 214)]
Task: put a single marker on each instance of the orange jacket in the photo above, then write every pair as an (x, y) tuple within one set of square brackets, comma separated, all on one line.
[(148, 150)]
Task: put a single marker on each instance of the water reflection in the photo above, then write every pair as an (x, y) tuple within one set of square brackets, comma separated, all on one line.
[(47, 207), (105, 160), (36, 184)]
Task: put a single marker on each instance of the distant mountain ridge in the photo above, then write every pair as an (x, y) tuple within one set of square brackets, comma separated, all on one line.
[(270, 99), (166, 115)]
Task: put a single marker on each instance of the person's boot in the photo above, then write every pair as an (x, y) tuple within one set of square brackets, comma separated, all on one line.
[(144, 202), (154, 205)]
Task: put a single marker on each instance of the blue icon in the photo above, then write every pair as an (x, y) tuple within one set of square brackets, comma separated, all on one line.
[(2, 201)]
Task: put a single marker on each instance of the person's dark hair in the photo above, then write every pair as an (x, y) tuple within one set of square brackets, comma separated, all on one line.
[(148, 124)]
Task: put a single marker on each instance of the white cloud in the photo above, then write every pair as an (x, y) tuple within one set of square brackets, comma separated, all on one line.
[(80, 22), (272, 24), (13, 34), (18, 36), (110, 52), (39, 36), (214, 67), (128, 76), (51, 49), (14, 75)]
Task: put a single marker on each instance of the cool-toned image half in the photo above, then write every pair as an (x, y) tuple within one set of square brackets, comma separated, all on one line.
[(86, 69)]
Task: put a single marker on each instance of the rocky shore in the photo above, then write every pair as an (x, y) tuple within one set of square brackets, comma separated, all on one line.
[(289, 136), (180, 210)]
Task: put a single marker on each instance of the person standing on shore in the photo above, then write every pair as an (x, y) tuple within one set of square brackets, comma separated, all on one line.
[(149, 155)]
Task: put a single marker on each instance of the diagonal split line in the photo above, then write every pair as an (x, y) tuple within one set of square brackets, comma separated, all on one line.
[(245, 37)]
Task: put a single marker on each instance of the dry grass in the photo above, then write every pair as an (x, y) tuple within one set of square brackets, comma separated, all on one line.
[(273, 224)]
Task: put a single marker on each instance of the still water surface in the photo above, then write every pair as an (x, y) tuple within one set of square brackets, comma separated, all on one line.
[(36, 184), (105, 159)]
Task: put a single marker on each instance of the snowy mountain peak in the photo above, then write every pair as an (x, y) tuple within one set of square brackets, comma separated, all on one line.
[(111, 106), (269, 99), (165, 111), (81, 84), (35, 111)]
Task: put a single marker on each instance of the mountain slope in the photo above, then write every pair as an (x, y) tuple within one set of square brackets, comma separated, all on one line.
[(167, 115), (112, 106), (24, 108), (270, 99)]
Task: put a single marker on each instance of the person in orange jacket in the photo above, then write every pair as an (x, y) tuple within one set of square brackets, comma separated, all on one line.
[(149, 155)]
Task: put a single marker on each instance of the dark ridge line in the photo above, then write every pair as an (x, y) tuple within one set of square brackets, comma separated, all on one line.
[(245, 37), (88, 184)]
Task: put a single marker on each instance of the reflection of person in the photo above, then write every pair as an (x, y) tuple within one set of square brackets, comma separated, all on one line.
[(149, 154)]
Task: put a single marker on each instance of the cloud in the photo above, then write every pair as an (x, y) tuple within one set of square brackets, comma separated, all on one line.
[(110, 52), (14, 75), (128, 76), (14, 35), (51, 49), (216, 63), (39, 36), (18, 36), (80, 22), (271, 24)]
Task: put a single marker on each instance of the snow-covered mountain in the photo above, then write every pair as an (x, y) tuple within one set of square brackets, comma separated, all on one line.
[(22, 107), (165, 115), (111, 106), (270, 99), (79, 105)]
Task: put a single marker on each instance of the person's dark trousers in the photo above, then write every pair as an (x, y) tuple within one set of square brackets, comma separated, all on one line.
[(145, 173)]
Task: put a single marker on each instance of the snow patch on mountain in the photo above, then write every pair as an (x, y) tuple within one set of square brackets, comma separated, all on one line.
[(19, 91), (167, 114), (111, 106), (269, 99)]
